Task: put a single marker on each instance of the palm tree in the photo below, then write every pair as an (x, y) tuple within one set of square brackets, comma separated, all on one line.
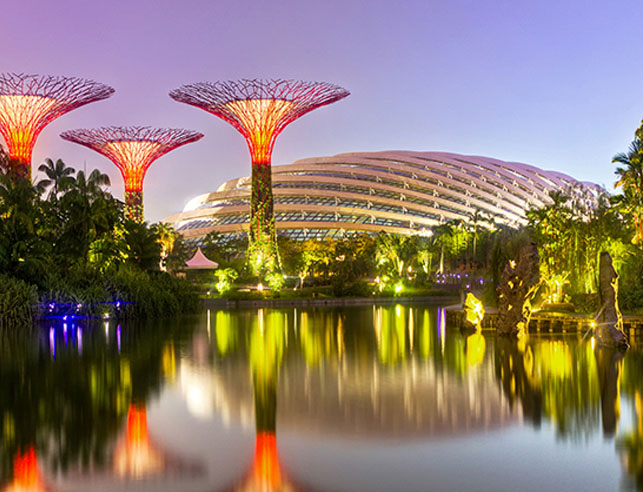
[(630, 179), (167, 237), (87, 212), (59, 177)]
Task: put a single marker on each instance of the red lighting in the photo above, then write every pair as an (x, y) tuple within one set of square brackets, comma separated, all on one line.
[(135, 456), (132, 150), (28, 103), (266, 469), (259, 109), (26, 476)]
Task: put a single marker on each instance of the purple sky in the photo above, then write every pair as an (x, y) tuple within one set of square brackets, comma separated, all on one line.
[(552, 83)]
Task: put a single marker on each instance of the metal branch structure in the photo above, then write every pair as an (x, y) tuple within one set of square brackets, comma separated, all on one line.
[(260, 110), (132, 149), (28, 103)]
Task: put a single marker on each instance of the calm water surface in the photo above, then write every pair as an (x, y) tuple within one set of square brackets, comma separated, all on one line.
[(349, 399)]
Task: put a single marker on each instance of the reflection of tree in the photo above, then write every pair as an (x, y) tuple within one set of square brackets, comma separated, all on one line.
[(515, 370), (630, 446), (552, 378), (70, 406), (391, 334)]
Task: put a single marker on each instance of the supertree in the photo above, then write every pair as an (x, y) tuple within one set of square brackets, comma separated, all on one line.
[(260, 110), (132, 149), (28, 103)]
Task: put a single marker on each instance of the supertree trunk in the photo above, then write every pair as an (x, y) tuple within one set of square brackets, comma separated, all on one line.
[(134, 205), (262, 248)]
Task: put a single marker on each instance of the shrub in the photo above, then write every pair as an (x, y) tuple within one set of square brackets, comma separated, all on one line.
[(17, 300)]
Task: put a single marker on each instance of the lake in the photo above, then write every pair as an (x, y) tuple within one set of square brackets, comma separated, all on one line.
[(377, 398)]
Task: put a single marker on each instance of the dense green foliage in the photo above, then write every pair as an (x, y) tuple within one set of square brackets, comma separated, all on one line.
[(66, 242), (16, 301)]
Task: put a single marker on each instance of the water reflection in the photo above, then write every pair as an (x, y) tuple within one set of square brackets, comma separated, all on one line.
[(26, 474), (74, 399), (66, 392)]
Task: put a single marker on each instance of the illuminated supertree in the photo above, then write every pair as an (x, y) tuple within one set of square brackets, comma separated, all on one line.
[(260, 110), (28, 103), (132, 149)]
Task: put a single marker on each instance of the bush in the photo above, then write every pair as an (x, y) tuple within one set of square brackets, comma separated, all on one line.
[(631, 299), (358, 288), (17, 300), (126, 292), (586, 303)]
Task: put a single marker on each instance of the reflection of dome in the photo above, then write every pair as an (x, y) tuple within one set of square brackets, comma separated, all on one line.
[(394, 191), (367, 401), (205, 395)]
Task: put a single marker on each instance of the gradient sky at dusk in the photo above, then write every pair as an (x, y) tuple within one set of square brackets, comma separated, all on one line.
[(554, 83)]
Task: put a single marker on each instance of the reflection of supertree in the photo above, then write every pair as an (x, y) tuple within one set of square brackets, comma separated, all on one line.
[(132, 149), (137, 456), (28, 103), (260, 110), (266, 351), (26, 474)]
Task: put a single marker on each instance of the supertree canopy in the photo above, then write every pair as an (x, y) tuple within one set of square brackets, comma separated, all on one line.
[(28, 103), (132, 149), (260, 110)]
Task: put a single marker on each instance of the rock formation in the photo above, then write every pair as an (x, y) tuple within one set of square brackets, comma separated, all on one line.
[(517, 288), (474, 311), (609, 329)]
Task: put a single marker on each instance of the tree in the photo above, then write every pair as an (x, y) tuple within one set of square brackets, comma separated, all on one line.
[(630, 180), (23, 252), (167, 237), (395, 253), (144, 246), (85, 213), (452, 238), (59, 177)]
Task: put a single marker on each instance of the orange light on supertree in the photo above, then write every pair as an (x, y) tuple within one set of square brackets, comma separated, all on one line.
[(28, 103), (260, 110), (133, 149)]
